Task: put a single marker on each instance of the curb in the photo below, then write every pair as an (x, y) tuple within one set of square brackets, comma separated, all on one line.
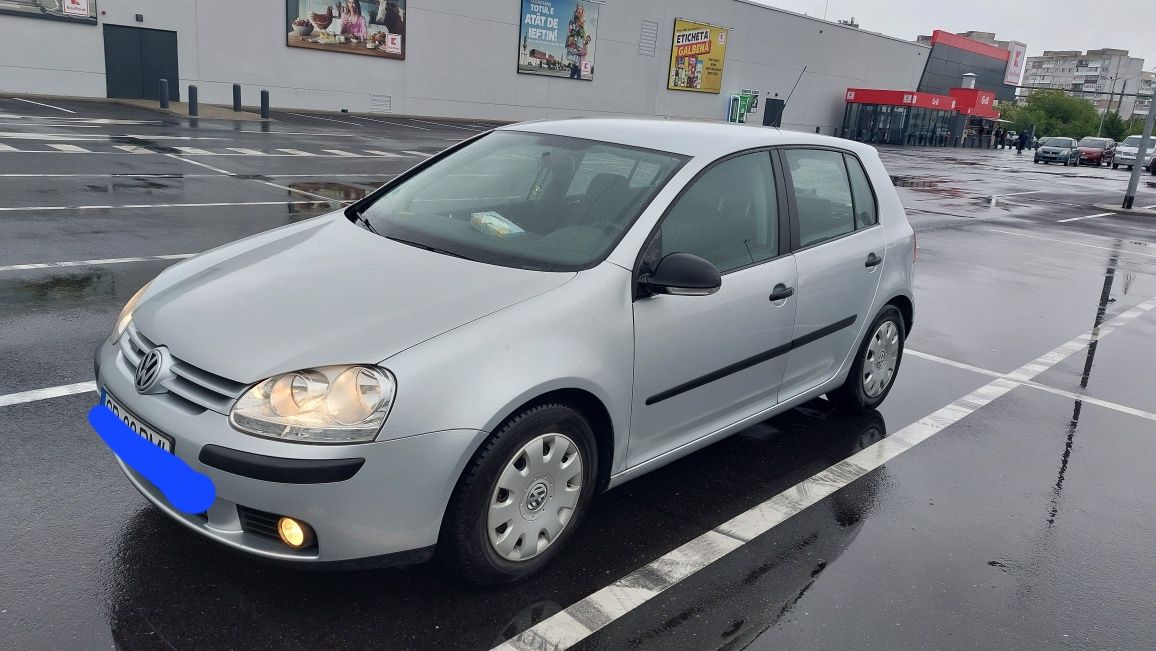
[(1125, 211)]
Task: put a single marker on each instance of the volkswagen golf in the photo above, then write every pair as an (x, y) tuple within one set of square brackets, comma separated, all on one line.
[(457, 363)]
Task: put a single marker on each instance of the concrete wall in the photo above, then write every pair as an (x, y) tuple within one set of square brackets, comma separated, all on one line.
[(461, 58)]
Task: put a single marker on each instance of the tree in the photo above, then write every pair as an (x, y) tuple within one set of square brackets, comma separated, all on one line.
[(1054, 113), (1114, 127)]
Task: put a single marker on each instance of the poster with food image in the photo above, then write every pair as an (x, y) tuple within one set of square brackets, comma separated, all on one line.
[(697, 55), (75, 11), (557, 38), (369, 27)]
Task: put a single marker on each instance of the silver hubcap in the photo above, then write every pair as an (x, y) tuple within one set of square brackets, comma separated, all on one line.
[(882, 356), (536, 495)]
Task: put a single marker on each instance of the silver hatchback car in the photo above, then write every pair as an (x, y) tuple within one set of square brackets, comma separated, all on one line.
[(462, 359)]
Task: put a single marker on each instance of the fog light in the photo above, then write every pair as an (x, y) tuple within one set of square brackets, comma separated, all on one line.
[(294, 533)]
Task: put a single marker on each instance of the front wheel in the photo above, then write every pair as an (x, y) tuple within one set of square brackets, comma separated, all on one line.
[(876, 363), (1115, 166), (521, 497)]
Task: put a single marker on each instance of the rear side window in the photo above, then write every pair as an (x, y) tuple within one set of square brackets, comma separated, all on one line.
[(865, 210), (822, 194)]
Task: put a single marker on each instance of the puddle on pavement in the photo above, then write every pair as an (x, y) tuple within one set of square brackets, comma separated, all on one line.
[(340, 193), (930, 185), (58, 289)]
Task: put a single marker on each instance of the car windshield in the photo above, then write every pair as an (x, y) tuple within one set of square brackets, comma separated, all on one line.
[(1060, 142), (527, 200), (1094, 143), (1131, 141)]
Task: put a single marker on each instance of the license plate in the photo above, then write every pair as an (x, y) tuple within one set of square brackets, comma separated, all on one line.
[(147, 432)]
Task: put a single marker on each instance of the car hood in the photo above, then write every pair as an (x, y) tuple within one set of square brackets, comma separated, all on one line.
[(1054, 150), (320, 292)]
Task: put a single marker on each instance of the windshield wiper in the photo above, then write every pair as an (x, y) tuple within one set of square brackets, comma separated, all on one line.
[(429, 247), (363, 221)]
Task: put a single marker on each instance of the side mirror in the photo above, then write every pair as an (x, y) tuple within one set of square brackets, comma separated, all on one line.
[(682, 274)]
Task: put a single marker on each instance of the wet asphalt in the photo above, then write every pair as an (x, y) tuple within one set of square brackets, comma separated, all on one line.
[(1027, 524)]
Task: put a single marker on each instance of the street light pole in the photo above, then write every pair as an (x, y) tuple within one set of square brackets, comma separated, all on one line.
[(1141, 155), (1100, 130)]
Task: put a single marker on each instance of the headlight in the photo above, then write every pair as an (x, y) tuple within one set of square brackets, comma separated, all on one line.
[(333, 404), (125, 317)]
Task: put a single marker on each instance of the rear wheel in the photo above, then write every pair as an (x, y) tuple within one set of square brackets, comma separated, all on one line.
[(876, 363), (521, 497), (1115, 166)]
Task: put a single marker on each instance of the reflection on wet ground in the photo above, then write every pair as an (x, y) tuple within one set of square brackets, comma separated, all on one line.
[(264, 602), (341, 193)]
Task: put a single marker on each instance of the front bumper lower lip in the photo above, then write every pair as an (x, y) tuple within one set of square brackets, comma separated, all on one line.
[(279, 469)]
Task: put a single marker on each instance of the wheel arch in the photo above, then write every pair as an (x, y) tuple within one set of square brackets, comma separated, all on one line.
[(907, 308)]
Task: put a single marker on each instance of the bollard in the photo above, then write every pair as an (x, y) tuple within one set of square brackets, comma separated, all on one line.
[(163, 89), (264, 105), (236, 97), (193, 101)]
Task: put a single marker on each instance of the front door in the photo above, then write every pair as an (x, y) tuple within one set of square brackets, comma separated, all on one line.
[(705, 362), (136, 59), (840, 251)]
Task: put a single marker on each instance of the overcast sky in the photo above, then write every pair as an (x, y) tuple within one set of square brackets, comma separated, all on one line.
[(1042, 24)]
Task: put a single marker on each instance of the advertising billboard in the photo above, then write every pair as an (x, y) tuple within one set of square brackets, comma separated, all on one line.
[(1015, 63), (76, 11), (697, 55), (370, 27), (558, 38)]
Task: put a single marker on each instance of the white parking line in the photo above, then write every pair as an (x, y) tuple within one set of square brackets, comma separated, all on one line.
[(200, 164), (1076, 219), (134, 206), (397, 124), (4, 147), (339, 152), (133, 149), (582, 619), (416, 153), (1090, 246), (383, 153), (316, 117), (72, 148), (21, 99), (45, 394), (247, 152), (450, 126), (194, 151), (1036, 385), (296, 152), (308, 194), (88, 263)]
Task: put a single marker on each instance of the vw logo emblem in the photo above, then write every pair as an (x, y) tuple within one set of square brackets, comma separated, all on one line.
[(150, 370), (536, 496)]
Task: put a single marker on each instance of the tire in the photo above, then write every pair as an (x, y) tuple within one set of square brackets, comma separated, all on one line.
[(854, 393), (1115, 166), (465, 540), (1066, 163)]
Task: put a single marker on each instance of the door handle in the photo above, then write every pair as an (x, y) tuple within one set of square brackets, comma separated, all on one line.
[(781, 292), (872, 260)]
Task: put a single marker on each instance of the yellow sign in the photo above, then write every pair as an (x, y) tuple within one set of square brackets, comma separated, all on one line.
[(697, 55)]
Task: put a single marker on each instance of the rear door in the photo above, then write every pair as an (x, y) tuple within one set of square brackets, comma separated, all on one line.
[(839, 248), (704, 362)]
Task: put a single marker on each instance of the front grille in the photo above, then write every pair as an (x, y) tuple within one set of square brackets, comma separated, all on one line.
[(191, 384), (261, 524)]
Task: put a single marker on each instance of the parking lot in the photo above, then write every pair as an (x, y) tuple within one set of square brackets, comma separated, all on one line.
[(1001, 497)]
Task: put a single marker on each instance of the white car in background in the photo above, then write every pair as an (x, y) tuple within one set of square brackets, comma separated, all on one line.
[(1126, 153)]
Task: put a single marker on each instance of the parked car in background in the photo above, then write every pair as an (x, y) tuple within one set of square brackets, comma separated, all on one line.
[(1058, 150), (1097, 151), (530, 317), (1126, 153)]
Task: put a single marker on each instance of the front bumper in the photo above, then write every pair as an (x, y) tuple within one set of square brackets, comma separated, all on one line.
[(1051, 156), (392, 504)]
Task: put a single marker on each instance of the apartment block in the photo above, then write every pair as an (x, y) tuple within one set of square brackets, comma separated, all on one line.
[(1109, 78)]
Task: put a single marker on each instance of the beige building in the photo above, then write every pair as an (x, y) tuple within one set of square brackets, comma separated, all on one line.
[(1109, 78)]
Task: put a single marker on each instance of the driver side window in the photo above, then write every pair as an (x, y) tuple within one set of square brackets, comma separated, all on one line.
[(729, 216)]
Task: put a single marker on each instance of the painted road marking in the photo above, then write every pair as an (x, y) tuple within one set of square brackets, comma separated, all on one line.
[(157, 205), (247, 152), (1090, 246), (1076, 219), (87, 263), (72, 148), (133, 149), (316, 117), (200, 164), (339, 152), (193, 151), (296, 152), (451, 126), (397, 124), (45, 394), (386, 154), (4, 147), (21, 99), (308, 194), (582, 619), (416, 153), (1036, 385)]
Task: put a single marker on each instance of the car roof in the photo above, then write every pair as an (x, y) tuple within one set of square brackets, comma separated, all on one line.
[(686, 137)]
